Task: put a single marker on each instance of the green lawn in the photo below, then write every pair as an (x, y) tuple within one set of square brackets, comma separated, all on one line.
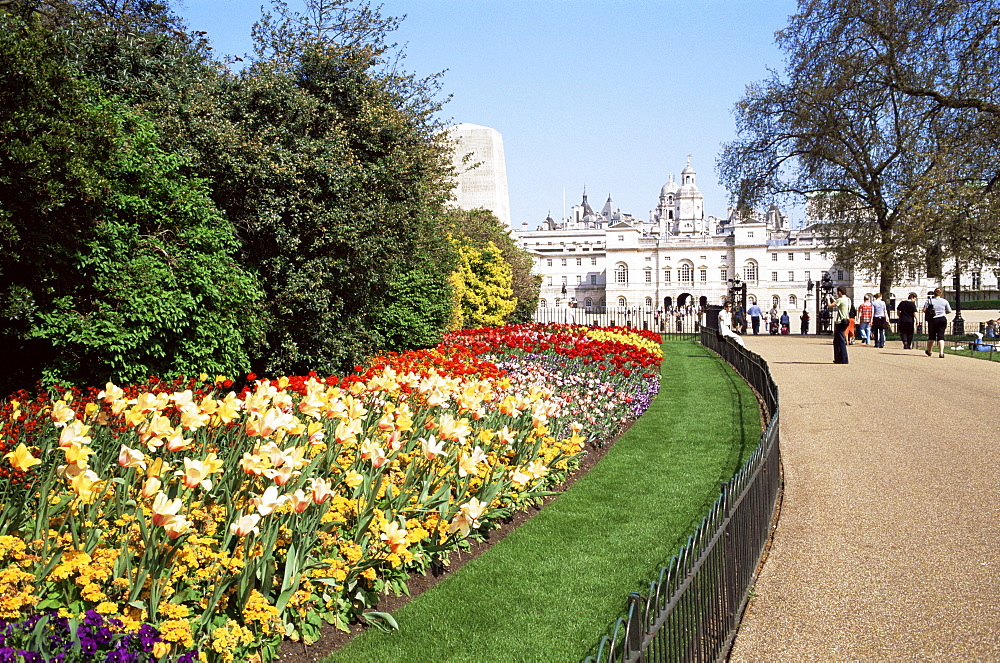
[(551, 589)]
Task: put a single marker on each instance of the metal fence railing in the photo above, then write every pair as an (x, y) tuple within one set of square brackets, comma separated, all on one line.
[(692, 610), (662, 323)]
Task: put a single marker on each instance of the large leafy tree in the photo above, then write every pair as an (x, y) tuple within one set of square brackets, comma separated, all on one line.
[(115, 263), (481, 285), (478, 228), (880, 163)]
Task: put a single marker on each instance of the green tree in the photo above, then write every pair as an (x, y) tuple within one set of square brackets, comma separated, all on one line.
[(479, 227), (869, 123), (482, 284), (114, 262)]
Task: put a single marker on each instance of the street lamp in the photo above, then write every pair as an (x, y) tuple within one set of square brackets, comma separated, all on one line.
[(958, 324)]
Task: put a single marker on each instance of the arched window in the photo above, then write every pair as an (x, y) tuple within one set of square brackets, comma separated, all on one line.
[(621, 273), (792, 301), (649, 302), (687, 273), (588, 302), (542, 303), (775, 301), (558, 302), (604, 302), (750, 271), (622, 302)]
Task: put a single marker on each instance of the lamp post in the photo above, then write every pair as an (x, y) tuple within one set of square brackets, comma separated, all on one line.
[(823, 290), (958, 324), (805, 304)]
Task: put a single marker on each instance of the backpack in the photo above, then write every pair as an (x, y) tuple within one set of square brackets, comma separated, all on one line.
[(929, 310)]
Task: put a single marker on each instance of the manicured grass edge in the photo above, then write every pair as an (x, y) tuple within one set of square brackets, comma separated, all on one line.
[(553, 587)]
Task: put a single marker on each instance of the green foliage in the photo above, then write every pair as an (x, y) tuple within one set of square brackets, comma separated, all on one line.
[(485, 294), (480, 226), (115, 263)]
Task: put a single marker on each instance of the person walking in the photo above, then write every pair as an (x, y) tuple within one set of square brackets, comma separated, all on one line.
[(907, 310), (936, 309), (841, 310), (880, 320), (804, 329), (865, 313), (755, 314), (726, 324)]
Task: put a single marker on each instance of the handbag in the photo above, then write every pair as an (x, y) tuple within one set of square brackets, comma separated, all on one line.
[(929, 310)]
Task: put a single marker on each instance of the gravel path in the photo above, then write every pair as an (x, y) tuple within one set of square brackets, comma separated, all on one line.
[(887, 544)]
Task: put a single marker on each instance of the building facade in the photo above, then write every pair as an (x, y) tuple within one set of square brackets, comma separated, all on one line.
[(481, 172), (682, 257)]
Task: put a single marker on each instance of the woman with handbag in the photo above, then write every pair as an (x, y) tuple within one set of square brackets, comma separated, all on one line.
[(936, 309)]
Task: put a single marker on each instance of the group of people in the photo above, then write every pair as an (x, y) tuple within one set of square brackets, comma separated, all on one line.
[(773, 322), (871, 319)]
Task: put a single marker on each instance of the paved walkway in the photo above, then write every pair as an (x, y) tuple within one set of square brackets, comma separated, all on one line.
[(888, 545)]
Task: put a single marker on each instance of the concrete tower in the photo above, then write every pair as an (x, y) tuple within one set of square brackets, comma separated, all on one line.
[(482, 178)]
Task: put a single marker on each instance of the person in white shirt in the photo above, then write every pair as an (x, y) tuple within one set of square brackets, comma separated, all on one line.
[(726, 324)]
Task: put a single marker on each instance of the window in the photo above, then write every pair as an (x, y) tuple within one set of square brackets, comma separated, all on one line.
[(774, 276), (621, 274), (774, 257), (548, 262), (649, 302), (977, 280), (750, 271), (564, 280), (564, 262), (621, 238), (791, 276), (593, 260), (648, 258), (604, 302), (579, 279), (749, 234), (822, 255), (806, 255), (791, 256), (775, 301), (808, 277), (687, 273), (593, 279), (724, 275), (649, 276), (622, 302), (550, 281), (703, 275), (666, 276), (588, 302), (542, 304), (840, 275), (558, 301), (579, 261), (792, 301)]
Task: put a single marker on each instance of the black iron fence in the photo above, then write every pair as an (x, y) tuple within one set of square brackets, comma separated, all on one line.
[(684, 322), (692, 610)]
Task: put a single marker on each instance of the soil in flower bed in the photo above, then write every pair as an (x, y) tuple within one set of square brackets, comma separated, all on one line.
[(332, 638)]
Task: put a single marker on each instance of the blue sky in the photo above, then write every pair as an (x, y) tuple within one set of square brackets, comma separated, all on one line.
[(611, 95)]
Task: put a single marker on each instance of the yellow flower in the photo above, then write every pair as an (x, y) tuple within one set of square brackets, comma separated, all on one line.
[(353, 478), (21, 459), (61, 413)]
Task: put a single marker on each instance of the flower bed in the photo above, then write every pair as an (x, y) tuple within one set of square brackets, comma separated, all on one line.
[(229, 520)]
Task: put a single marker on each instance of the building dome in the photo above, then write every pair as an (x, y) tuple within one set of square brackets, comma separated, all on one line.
[(669, 188)]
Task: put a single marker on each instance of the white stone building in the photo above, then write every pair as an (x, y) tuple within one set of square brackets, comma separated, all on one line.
[(681, 257), (481, 170)]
